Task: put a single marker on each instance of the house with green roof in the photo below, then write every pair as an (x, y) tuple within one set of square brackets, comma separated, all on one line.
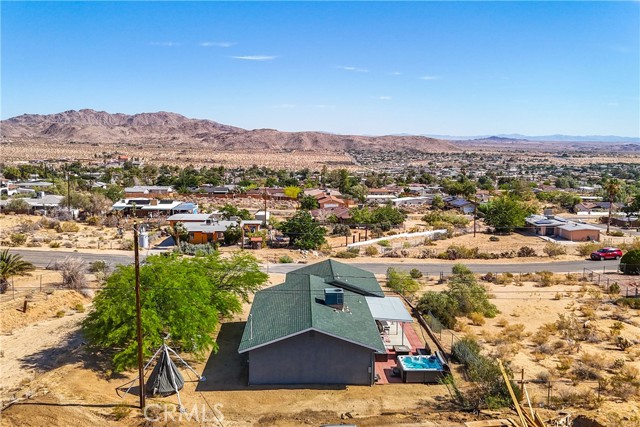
[(317, 327)]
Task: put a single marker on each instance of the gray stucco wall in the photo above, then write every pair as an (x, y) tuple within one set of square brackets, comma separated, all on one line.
[(311, 358)]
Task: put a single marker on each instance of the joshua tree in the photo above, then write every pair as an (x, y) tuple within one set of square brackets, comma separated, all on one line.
[(12, 265), (612, 189)]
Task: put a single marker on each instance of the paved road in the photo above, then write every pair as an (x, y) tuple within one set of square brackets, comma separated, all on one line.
[(436, 268), (44, 258)]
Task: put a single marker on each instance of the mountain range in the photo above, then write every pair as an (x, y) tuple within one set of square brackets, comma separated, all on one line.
[(163, 128), (544, 138)]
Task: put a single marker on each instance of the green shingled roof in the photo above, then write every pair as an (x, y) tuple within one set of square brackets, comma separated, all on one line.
[(345, 276), (297, 305)]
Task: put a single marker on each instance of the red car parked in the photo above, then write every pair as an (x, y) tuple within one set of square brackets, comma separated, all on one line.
[(606, 253)]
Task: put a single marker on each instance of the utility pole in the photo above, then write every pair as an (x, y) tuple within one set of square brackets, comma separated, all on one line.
[(68, 191), (138, 315), (475, 216)]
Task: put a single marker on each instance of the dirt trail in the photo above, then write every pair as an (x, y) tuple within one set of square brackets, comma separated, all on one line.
[(35, 348)]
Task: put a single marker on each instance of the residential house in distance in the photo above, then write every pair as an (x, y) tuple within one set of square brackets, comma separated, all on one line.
[(150, 191), (41, 203), (326, 324), (412, 201), (588, 208), (143, 207), (551, 225), (462, 205)]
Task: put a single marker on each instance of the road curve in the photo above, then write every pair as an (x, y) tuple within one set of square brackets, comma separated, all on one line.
[(42, 258)]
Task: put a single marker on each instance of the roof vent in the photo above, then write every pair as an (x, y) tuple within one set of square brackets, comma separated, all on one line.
[(334, 297), (548, 213)]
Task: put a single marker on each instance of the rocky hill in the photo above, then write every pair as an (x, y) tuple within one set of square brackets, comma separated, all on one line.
[(163, 128)]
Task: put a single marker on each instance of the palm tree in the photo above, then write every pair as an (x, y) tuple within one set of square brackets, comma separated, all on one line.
[(612, 189), (12, 265)]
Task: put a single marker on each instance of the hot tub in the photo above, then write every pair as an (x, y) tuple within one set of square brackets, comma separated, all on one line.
[(422, 368)]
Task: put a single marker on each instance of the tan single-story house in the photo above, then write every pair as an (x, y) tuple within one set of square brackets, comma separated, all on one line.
[(578, 232)]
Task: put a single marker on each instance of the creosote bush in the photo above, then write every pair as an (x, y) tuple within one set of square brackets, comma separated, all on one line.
[(554, 249)]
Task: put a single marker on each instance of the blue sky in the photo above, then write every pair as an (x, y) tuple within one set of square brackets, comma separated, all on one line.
[(458, 68)]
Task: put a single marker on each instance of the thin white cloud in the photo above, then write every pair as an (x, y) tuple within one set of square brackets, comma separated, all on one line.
[(429, 78), (283, 106), (382, 98), (352, 69), (217, 44), (255, 57), (164, 44)]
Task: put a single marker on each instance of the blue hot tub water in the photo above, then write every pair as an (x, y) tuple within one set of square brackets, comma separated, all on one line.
[(420, 363)]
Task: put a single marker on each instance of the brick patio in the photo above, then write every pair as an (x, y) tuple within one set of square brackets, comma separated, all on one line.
[(385, 369)]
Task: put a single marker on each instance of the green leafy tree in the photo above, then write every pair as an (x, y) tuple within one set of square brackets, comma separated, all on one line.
[(630, 262), (292, 191), (12, 265), (401, 282), (303, 231), (229, 211), (462, 297), (361, 216), (633, 206), (388, 214), (183, 297), (179, 233), (437, 202), (232, 235), (308, 203), (505, 213), (114, 192)]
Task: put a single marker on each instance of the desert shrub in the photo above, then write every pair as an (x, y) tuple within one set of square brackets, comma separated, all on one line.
[(98, 267), (526, 251), (454, 252), (28, 226), (466, 350), (79, 308), (477, 318), (196, 249), (494, 239), (72, 270), (616, 233), (94, 220), (371, 251), (461, 269), (110, 221), (585, 249), (629, 302), (545, 277), (127, 245), (489, 277), (502, 322), (33, 244), (54, 245), (630, 262), (120, 411), (415, 273), (623, 343), (18, 239), (67, 227), (60, 313), (440, 219), (341, 230), (614, 289), (384, 243), (346, 254), (61, 214), (554, 249), (285, 259)]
